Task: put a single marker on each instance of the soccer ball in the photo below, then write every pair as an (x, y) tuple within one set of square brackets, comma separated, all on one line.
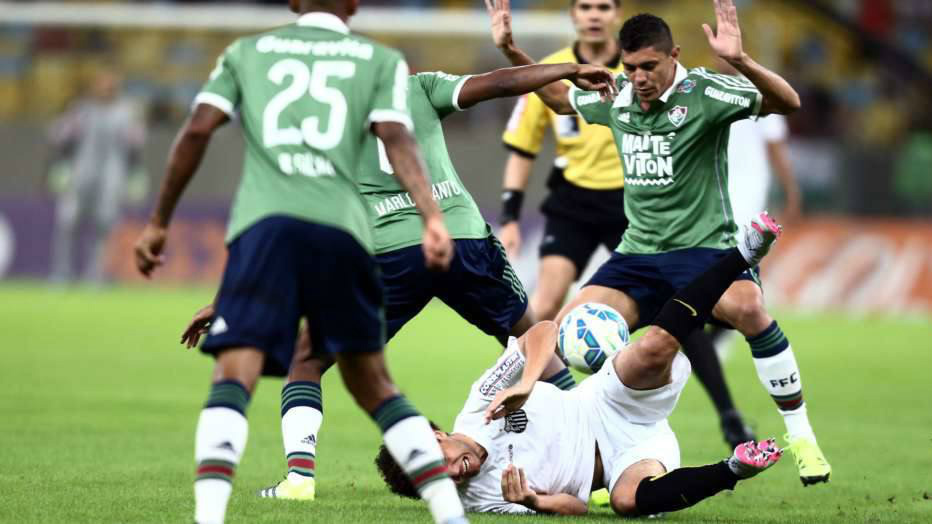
[(590, 334)]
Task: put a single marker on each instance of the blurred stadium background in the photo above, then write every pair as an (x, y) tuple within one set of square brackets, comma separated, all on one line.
[(861, 147), (96, 375)]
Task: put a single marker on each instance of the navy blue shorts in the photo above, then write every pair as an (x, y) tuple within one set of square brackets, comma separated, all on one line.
[(480, 286), (651, 280), (282, 269)]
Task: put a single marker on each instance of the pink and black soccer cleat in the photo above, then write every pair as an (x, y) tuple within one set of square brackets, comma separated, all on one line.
[(751, 458), (758, 236)]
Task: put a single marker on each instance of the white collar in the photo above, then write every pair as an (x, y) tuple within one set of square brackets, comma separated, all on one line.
[(681, 74), (323, 20)]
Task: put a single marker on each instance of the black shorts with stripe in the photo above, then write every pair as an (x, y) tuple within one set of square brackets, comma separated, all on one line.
[(481, 286)]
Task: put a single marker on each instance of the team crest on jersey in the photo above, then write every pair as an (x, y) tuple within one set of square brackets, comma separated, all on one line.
[(677, 115), (516, 422), (686, 86)]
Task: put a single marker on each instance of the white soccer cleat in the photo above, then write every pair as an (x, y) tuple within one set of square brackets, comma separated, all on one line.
[(758, 236), (751, 458)]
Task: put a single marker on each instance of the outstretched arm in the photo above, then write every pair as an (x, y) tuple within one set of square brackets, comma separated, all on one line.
[(778, 95), (186, 155), (538, 346), (514, 81), (554, 94)]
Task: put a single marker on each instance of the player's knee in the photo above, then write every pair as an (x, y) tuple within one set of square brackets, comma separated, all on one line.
[(623, 501), (749, 314), (658, 348)]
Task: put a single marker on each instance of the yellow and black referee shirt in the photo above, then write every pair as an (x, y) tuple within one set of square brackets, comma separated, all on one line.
[(586, 153)]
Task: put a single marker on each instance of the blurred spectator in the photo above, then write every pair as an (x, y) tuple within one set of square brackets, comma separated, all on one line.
[(913, 181), (97, 144)]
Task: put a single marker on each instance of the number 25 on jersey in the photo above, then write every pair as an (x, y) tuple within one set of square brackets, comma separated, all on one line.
[(311, 82)]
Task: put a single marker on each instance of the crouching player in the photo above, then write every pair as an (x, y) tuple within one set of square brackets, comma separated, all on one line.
[(520, 446)]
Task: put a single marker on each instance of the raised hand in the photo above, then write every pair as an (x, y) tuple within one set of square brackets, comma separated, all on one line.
[(500, 13), (725, 41)]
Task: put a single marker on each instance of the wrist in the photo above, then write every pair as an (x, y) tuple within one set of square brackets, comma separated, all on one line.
[(512, 200), (532, 501), (158, 221), (738, 62)]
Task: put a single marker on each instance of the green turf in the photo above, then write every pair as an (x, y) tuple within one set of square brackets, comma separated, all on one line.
[(99, 402)]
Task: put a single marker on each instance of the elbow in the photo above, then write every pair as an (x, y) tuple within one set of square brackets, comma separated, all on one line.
[(566, 110), (794, 103), (390, 133)]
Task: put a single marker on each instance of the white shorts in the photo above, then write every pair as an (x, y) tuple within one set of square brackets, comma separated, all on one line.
[(631, 425)]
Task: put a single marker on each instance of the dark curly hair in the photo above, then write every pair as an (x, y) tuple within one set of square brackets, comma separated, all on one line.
[(398, 481), (646, 30)]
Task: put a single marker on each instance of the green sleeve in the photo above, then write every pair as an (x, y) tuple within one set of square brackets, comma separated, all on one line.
[(222, 87), (726, 98), (390, 99), (443, 90), (590, 106)]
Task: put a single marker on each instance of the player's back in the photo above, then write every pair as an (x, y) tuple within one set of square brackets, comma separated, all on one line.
[(306, 94), (431, 97)]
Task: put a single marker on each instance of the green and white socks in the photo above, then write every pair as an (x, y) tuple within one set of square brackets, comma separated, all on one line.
[(219, 443), (302, 415), (778, 372)]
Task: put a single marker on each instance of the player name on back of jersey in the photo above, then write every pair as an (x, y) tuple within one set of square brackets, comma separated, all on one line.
[(647, 155), (293, 46), (441, 191), (307, 164)]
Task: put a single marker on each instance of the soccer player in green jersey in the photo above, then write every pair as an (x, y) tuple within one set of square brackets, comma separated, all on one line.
[(671, 128), (299, 240), (481, 285)]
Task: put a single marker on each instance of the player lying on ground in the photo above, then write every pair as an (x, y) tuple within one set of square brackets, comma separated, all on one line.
[(671, 130), (480, 285), (521, 446)]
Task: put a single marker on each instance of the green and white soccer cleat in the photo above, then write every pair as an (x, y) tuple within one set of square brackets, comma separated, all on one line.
[(813, 468), (303, 489)]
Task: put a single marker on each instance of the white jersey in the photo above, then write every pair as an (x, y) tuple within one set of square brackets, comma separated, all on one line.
[(749, 165), (550, 437)]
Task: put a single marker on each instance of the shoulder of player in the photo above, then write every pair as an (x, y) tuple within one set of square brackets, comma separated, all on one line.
[(708, 78)]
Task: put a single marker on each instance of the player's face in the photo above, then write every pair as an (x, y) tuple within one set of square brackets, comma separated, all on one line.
[(650, 71), (462, 461), (595, 20)]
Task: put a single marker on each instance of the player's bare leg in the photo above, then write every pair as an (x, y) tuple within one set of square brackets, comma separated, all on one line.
[(617, 300), (222, 431), (406, 433), (743, 307), (524, 323), (555, 276)]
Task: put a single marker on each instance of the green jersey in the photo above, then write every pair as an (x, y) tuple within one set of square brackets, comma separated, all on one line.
[(675, 158), (396, 222), (306, 94)]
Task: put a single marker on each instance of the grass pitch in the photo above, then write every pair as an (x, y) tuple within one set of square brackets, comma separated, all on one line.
[(99, 404)]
